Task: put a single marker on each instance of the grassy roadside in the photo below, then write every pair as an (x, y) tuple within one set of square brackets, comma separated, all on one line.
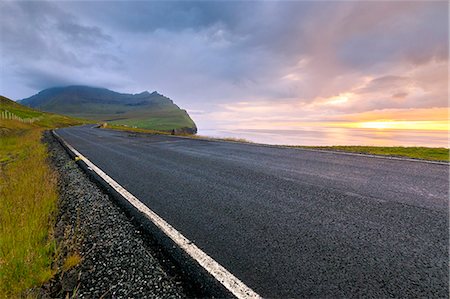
[(148, 131), (28, 200), (132, 130), (424, 153)]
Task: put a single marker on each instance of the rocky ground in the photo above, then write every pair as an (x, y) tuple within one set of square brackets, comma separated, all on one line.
[(109, 255)]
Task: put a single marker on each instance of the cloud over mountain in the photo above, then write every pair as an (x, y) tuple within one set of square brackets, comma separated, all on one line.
[(210, 56)]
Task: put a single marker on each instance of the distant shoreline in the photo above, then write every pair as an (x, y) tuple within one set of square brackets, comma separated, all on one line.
[(436, 154)]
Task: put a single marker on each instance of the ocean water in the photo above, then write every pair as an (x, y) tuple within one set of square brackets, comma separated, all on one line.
[(337, 136)]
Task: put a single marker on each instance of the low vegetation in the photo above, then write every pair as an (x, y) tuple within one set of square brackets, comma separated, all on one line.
[(163, 119), (148, 131), (425, 153), (71, 261), (132, 129), (28, 199)]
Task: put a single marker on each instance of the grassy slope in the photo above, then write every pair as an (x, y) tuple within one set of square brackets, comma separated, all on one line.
[(164, 119), (44, 119), (28, 193)]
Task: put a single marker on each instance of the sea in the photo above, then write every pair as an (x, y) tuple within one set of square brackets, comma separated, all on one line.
[(323, 136)]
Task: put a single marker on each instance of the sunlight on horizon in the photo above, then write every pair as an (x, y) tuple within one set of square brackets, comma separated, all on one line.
[(401, 125)]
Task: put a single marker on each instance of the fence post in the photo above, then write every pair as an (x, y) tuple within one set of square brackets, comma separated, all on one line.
[(7, 115)]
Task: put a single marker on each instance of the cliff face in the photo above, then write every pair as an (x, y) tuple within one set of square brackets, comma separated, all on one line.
[(143, 110)]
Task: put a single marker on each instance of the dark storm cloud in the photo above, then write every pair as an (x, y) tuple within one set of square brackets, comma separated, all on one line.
[(42, 29), (43, 45), (38, 78), (82, 34)]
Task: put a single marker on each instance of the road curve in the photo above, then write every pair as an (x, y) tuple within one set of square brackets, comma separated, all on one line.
[(290, 222)]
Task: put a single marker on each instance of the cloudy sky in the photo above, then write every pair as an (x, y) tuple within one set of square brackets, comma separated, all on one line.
[(241, 64)]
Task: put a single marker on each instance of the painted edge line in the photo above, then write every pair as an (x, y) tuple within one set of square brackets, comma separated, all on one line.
[(299, 148), (222, 275)]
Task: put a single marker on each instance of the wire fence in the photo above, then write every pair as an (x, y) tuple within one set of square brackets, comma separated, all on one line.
[(7, 115)]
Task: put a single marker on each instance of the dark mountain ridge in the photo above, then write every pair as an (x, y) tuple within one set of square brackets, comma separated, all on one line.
[(144, 110), (86, 94)]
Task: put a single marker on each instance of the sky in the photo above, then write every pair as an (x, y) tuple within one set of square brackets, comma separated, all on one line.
[(231, 65)]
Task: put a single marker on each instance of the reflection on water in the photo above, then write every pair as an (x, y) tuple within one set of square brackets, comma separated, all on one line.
[(338, 136)]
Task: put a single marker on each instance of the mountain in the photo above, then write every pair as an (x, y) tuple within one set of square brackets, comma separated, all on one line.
[(143, 110)]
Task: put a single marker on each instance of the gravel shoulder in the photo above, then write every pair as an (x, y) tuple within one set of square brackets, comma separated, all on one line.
[(117, 258)]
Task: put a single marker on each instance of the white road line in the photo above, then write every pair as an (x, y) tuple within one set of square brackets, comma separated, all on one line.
[(227, 279)]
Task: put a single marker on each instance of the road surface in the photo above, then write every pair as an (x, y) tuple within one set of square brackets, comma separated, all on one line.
[(290, 222)]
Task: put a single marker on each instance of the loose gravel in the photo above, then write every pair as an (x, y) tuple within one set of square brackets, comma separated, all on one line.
[(116, 259)]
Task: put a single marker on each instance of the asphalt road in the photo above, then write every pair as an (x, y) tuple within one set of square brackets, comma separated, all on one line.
[(291, 222)]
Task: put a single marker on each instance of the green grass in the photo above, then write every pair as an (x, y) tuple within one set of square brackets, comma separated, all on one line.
[(425, 153), (159, 120), (132, 129), (28, 200), (71, 261), (23, 113)]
